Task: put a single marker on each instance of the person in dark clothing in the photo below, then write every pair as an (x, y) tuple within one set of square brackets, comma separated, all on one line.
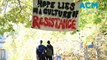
[(49, 51), (40, 51)]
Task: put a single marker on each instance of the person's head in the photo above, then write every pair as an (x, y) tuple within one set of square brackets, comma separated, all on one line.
[(48, 42), (41, 41)]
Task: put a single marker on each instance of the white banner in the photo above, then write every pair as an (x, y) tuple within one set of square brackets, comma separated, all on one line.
[(55, 15)]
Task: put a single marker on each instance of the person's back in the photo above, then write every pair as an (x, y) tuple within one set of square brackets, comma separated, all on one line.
[(41, 52), (49, 52)]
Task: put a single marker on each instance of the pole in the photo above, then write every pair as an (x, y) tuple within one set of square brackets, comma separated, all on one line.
[(86, 53), (97, 51)]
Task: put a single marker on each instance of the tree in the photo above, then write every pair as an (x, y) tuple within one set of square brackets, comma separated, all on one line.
[(16, 12)]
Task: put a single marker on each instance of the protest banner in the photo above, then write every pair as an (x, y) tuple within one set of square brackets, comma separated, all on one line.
[(55, 15)]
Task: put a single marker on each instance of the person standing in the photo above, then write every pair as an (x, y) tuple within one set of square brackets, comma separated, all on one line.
[(49, 51), (40, 51)]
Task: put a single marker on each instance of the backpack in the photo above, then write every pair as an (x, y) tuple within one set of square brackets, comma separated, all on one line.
[(41, 50), (49, 51)]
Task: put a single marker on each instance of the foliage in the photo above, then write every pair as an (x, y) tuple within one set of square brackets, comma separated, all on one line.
[(15, 18)]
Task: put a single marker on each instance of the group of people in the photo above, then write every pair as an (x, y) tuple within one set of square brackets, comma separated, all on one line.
[(45, 52)]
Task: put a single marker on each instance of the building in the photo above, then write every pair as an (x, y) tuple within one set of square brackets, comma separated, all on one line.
[(3, 53)]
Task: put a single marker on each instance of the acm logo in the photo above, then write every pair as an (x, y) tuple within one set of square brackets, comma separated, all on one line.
[(88, 5)]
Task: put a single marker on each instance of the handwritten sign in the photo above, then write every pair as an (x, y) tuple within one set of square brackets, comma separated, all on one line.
[(55, 15)]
